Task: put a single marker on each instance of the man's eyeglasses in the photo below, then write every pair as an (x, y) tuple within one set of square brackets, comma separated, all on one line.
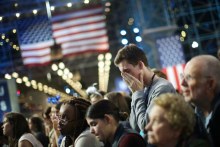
[(64, 121), (187, 78)]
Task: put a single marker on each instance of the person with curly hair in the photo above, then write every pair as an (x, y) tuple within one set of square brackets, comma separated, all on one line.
[(72, 124), (172, 122)]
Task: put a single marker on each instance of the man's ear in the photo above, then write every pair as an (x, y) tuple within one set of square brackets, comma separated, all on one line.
[(211, 83), (141, 64)]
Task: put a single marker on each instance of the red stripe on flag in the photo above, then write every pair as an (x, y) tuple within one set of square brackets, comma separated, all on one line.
[(77, 32), (173, 75)]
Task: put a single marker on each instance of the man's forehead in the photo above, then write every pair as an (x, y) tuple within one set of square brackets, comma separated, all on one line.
[(193, 68)]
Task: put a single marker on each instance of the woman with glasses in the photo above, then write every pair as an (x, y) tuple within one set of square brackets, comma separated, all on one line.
[(72, 124), (103, 118), (15, 126)]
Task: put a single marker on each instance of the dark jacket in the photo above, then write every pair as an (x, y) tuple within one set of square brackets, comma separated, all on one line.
[(213, 127), (125, 137)]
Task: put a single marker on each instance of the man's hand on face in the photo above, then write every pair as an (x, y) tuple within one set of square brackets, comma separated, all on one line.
[(133, 83)]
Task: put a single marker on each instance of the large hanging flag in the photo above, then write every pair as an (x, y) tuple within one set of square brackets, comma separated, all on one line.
[(35, 39), (81, 31), (172, 58)]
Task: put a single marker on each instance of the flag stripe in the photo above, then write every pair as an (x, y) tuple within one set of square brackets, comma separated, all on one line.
[(98, 47), (35, 39), (85, 42), (38, 53), (173, 74), (81, 36), (35, 46), (78, 22), (76, 14), (37, 60), (81, 31), (171, 57)]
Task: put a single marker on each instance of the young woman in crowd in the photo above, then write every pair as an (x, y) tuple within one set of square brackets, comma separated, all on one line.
[(72, 124), (36, 126), (15, 126), (103, 118)]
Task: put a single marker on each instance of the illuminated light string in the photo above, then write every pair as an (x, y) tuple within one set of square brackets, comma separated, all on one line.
[(104, 63), (67, 76), (52, 8), (7, 40), (36, 85)]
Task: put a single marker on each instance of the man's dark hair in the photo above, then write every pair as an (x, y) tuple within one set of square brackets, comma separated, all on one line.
[(132, 54)]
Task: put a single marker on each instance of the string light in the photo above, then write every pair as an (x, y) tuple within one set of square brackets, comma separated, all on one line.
[(69, 5), (52, 8), (86, 1), (36, 85), (14, 31), (17, 15), (13, 45), (67, 76), (35, 12), (104, 63)]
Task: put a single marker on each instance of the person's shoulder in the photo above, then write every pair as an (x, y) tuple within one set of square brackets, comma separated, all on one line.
[(86, 139), (199, 143), (164, 85), (131, 140), (26, 136)]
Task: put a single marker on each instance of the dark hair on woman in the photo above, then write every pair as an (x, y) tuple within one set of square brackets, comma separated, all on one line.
[(20, 126), (58, 105), (80, 105), (119, 100), (46, 114), (102, 107), (38, 124), (3, 138)]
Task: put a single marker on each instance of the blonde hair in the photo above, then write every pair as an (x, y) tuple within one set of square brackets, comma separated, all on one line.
[(159, 73), (179, 113)]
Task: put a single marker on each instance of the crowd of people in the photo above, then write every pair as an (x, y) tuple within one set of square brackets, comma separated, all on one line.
[(153, 115)]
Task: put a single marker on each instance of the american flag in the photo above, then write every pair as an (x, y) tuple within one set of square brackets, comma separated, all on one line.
[(172, 58), (81, 31), (35, 38)]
